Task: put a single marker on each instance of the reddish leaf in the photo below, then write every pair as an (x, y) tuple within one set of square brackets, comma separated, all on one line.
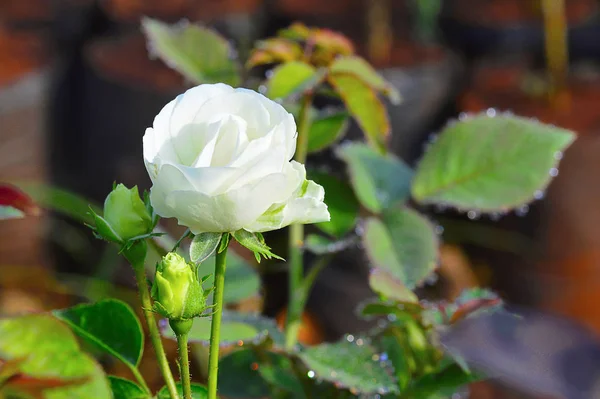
[(273, 51), (12, 197)]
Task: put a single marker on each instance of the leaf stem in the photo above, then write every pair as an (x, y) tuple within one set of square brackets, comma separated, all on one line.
[(215, 328), (296, 239), (138, 376), (184, 365), (142, 283)]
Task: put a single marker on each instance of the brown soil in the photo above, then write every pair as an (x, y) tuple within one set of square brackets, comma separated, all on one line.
[(508, 12), (125, 59)]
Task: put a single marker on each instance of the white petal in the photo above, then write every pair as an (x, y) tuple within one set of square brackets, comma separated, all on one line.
[(241, 104), (227, 212), (175, 117), (304, 206)]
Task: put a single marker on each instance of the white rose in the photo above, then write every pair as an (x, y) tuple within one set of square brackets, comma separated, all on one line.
[(219, 160)]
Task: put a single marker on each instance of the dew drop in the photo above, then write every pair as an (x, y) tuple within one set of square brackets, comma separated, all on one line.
[(375, 357), (472, 215), (262, 89), (310, 374), (522, 211), (538, 195), (350, 338), (439, 230), (383, 357), (462, 116), (432, 279), (558, 155), (269, 74), (360, 342), (553, 172), (392, 317), (381, 323), (491, 112)]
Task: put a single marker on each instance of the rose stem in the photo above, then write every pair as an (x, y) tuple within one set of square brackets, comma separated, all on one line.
[(163, 363), (215, 327), (557, 58), (184, 365), (296, 240)]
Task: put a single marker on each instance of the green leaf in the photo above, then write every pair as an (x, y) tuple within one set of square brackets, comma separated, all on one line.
[(326, 131), (404, 244), (125, 389), (401, 361), (364, 105), (279, 372), (61, 201), (441, 384), (242, 280), (198, 53), (354, 365), (360, 68), (379, 181), (236, 328), (341, 202), (111, 325), (490, 164), (293, 77), (239, 376), (255, 243), (386, 285), (198, 392), (50, 349), (203, 246), (401, 310)]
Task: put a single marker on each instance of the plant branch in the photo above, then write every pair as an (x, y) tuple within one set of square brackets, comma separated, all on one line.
[(296, 239), (163, 363), (215, 328), (184, 365)]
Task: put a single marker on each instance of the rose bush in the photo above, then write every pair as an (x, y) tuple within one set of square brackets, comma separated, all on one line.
[(220, 161)]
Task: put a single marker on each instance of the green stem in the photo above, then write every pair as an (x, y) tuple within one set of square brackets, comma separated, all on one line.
[(138, 376), (163, 363), (296, 239), (557, 57), (215, 328), (184, 365)]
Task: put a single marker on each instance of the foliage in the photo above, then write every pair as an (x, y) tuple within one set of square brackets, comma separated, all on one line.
[(482, 163)]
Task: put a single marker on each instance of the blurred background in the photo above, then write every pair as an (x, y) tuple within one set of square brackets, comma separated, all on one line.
[(78, 89)]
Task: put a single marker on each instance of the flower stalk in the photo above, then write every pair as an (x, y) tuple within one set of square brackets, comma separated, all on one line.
[(215, 327), (184, 365), (296, 240), (136, 259)]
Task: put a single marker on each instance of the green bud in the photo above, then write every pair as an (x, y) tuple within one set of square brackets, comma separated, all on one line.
[(125, 216), (177, 292)]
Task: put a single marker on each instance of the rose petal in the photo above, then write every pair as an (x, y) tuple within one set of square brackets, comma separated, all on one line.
[(226, 212)]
